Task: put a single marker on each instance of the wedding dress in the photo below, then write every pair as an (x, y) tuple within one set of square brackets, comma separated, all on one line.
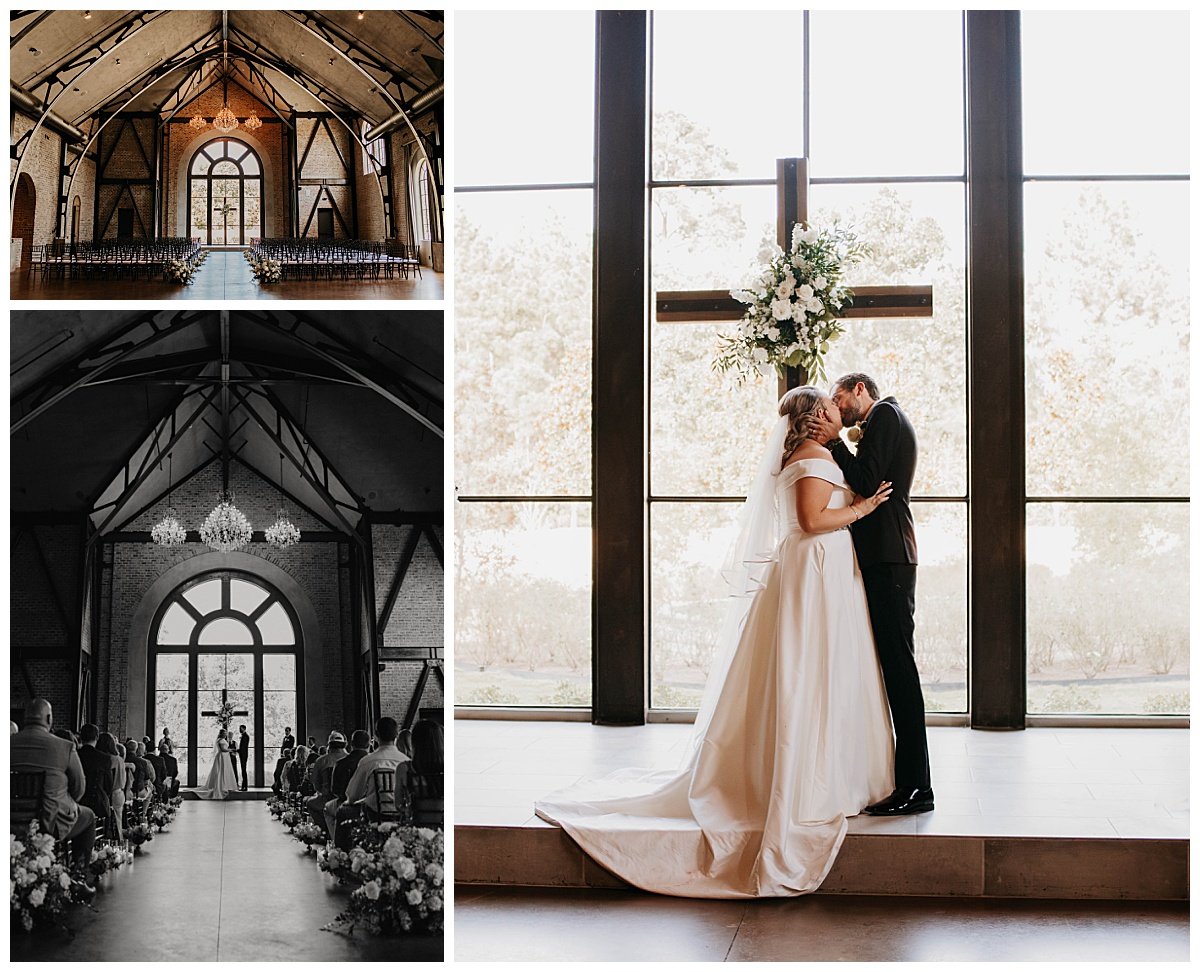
[(793, 735), (221, 780)]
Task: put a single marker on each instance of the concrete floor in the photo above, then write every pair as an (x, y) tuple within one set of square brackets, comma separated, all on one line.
[(536, 924), (226, 276), (225, 883)]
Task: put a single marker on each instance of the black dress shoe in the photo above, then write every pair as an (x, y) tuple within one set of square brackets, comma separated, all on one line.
[(918, 800)]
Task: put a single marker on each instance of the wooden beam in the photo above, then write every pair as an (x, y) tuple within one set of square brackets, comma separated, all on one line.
[(689, 306)]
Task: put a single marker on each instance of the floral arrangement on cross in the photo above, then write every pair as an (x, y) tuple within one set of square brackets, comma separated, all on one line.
[(792, 305)]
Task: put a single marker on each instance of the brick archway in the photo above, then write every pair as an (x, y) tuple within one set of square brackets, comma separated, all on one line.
[(24, 210)]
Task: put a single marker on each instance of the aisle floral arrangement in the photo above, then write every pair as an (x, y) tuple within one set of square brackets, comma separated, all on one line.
[(792, 306), (400, 876), (179, 271), (265, 270), (308, 834), (109, 857), (41, 886), (138, 834)]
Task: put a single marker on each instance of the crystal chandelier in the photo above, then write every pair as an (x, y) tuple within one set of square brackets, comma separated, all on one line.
[(225, 120), (198, 122), (282, 533), (169, 532), (226, 527), (252, 123)]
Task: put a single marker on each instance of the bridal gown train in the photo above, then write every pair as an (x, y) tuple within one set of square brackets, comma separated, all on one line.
[(799, 739), (221, 780)]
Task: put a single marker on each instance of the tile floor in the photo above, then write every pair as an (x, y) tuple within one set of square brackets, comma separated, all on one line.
[(226, 276), (1036, 782), (534, 924), (225, 883)]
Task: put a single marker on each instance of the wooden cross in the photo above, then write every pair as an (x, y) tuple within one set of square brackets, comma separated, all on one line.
[(791, 208), (224, 699)]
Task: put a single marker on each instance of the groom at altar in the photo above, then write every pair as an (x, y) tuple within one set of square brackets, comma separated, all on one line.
[(886, 546)]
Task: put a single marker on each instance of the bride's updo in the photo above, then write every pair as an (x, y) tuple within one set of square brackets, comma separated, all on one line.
[(799, 406)]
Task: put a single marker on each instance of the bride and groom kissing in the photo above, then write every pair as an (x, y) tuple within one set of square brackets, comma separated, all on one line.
[(813, 710)]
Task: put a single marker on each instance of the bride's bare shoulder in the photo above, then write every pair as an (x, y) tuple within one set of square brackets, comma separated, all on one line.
[(809, 449)]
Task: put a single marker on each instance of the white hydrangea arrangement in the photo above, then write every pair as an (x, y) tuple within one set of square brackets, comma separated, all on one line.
[(792, 305)]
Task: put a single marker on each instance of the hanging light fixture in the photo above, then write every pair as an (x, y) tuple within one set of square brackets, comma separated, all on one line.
[(225, 120), (198, 123), (169, 532), (282, 533), (252, 123), (226, 527)]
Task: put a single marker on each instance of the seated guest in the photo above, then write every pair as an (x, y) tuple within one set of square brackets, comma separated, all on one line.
[(428, 768), (140, 772), (107, 744), (322, 778), (160, 771), (97, 774), (171, 769), (35, 748), (338, 813), (285, 757), (296, 769), (404, 742), (361, 788)]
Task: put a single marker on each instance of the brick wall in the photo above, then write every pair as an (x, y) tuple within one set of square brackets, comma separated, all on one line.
[(182, 143), (418, 618), (397, 683), (84, 189), (323, 161), (42, 156), (370, 205)]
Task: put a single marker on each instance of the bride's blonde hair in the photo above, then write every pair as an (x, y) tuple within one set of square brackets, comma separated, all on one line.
[(799, 406)]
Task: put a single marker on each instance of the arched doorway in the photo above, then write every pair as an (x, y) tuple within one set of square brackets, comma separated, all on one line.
[(225, 636), (24, 210), (225, 193), (75, 212)]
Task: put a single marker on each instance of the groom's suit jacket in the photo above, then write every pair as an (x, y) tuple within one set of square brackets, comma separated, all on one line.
[(244, 745), (887, 452)]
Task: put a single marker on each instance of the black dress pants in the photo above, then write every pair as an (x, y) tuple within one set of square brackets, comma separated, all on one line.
[(891, 600)]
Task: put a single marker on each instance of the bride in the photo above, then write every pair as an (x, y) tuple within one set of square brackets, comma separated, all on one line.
[(793, 734), (220, 778)]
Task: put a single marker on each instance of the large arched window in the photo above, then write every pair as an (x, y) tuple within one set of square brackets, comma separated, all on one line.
[(225, 636), (423, 202), (225, 189)]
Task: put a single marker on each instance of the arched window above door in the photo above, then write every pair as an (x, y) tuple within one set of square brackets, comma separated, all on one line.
[(225, 190)]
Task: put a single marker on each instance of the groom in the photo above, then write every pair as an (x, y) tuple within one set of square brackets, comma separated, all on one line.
[(243, 750), (886, 546)]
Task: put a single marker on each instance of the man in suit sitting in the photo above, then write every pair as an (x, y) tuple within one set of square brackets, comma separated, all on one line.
[(35, 748), (171, 768), (98, 775), (160, 771), (339, 813), (285, 757)]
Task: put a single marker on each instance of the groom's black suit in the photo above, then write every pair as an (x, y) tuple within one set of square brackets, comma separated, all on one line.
[(243, 754), (886, 546)]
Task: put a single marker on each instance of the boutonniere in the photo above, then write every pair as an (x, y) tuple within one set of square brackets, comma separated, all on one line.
[(854, 434)]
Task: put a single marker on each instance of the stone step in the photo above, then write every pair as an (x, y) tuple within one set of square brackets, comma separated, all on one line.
[(883, 864)]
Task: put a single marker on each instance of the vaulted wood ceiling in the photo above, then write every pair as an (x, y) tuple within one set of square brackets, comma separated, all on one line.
[(79, 63), (342, 409)]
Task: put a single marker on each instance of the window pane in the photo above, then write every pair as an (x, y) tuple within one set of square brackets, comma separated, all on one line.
[(244, 597), (1106, 325), (249, 165), (239, 671), (495, 146), (171, 672), (276, 627), (887, 93), (916, 234), (226, 631), (279, 711), (523, 328), (225, 168), (205, 597), (747, 132), (708, 237), (1088, 74), (1108, 625), (523, 604), (176, 627), (279, 672), (689, 599), (171, 702), (705, 436)]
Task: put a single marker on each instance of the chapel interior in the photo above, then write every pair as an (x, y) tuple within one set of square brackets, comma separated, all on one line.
[(331, 422), (1010, 236), (311, 138)]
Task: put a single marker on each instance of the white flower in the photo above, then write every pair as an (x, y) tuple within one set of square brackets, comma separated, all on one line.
[(371, 889), (37, 896), (435, 903), (814, 306), (804, 291), (406, 868), (760, 356), (773, 333), (820, 283), (768, 252), (781, 310), (414, 896), (783, 291), (434, 872), (798, 313), (64, 880), (809, 235)]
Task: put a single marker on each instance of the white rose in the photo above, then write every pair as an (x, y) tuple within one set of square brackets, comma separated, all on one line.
[(759, 355), (414, 896), (814, 306), (773, 333), (804, 291), (798, 314), (781, 310), (64, 880), (371, 889), (37, 896), (809, 235), (783, 291), (820, 283), (435, 903)]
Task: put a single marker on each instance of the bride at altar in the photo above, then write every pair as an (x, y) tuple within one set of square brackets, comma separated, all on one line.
[(793, 734), (221, 779)]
